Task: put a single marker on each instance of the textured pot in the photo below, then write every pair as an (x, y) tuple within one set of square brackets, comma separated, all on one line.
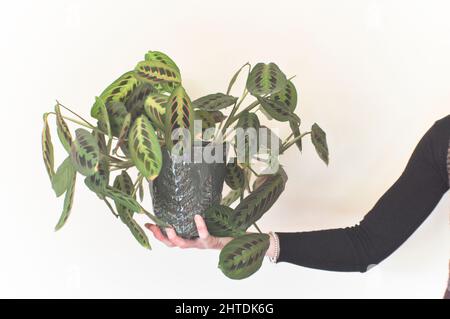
[(185, 188)]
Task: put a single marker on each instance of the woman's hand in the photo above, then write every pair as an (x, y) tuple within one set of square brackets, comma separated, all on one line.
[(205, 240)]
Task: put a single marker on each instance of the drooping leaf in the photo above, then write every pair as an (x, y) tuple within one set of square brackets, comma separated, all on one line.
[(295, 127), (265, 79), (47, 149), (135, 104), (235, 76), (217, 219), (68, 203), (259, 181), (124, 183), (103, 120), (141, 191), (161, 57), (63, 130), (255, 205), (123, 199), (247, 133), (287, 96), (179, 115), (118, 91), (100, 180), (117, 112), (155, 72), (155, 108), (319, 140), (63, 177), (268, 139), (234, 177), (85, 153), (243, 256), (144, 148), (231, 197), (123, 133), (133, 226), (278, 110), (101, 141), (214, 102)]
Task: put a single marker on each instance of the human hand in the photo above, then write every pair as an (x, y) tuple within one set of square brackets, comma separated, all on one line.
[(205, 240)]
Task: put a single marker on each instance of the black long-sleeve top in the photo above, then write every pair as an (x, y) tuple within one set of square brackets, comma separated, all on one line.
[(396, 215)]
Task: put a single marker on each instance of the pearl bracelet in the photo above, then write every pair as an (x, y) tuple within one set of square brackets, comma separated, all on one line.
[(276, 242)]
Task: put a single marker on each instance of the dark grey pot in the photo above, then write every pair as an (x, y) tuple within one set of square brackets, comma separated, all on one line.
[(186, 188)]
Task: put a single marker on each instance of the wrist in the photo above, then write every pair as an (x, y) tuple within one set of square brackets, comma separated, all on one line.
[(274, 247)]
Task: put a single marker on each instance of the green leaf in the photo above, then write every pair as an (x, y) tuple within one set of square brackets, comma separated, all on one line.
[(250, 125), (124, 183), (179, 114), (287, 96), (135, 104), (118, 91), (319, 140), (255, 205), (100, 180), (144, 148), (295, 127), (155, 72), (155, 108), (161, 57), (234, 177), (141, 191), (117, 112), (47, 149), (243, 256), (63, 130), (266, 79), (209, 118), (217, 219), (133, 226), (278, 110), (123, 132), (235, 76), (104, 117), (63, 177), (68, 203), (231, 197), (85, 153), (123, 199), (214, 102)]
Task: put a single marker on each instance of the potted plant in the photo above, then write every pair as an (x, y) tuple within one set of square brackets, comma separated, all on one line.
[(147, 127)]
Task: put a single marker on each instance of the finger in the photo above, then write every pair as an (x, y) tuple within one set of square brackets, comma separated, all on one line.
[(159, 235), (201, 227), (178, 241)]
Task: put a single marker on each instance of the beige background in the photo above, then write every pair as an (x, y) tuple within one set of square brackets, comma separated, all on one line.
[(374, 74)]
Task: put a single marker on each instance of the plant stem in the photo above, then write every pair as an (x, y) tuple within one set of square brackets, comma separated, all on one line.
[(233, 112), (79, 116), (248, 108), (136, 184), (257, 228), (284, 148), (155, 219), (111, 208), (287, 138)]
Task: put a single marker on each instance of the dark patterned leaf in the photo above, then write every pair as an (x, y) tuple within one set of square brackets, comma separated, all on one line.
[(100, 180), (243, 256), (155, 108), (319, 140), (214, 102), (217, 219), (47, 149), (295, 127), (287, 96), (135, 104), (234, 177), (231, 197), (118, 91), (85, 153), (123, 132), (123, 199), (250, 125), (161, 57), (117, 112), (278, 110), (68, 203), (209, 119), (63, 130), (265, 79), (144, 148), (63, 177), (179, 114), (155, 72), (255, 205)]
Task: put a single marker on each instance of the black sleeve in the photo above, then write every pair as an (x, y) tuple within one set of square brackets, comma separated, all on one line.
[(396, 215)]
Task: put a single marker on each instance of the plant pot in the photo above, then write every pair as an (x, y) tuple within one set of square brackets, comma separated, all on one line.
[(185, 188)]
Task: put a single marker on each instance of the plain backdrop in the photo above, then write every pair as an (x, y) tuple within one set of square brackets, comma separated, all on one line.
[(374, 74)]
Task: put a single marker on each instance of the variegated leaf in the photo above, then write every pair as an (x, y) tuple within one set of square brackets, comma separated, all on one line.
[(47, 149), (85, 153), (117, 112), (295, 127), (179, 114), (214, 102), (144, 148), (161, 57), (234, 177), (278, 110), (265, 79), (231, 197), (288, 96), (103, 119), (64, 134), (123, 133), (255, 205), (155, 72), (100, 180), (118, 91), (319, 140), (135, 104), (63, 177), (209, 119), (243, 256), (155, 108), (217, 219), (123, 199), (68, 203), (249, 123)]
